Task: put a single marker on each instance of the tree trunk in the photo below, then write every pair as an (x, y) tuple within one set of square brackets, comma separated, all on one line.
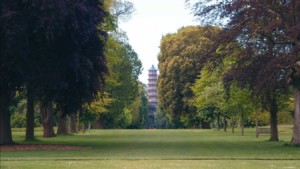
[(99, 123), (242, 123), (78, 119), (256, 123), (218, 121), (5, 128), (47, 120), (30, 115), (273, 121), (296, 129), (205, 125), (232, 125), (72, 123), (62, 126), (225, 124), (213, 121)]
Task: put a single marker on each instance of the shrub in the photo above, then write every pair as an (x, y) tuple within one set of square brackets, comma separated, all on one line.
[(18, 120)]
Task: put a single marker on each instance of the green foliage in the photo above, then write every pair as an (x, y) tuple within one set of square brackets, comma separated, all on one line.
[(138, 110), (209, 90), (122, 82), (239, 106), (18, 120), (163, 120), (121, 92), (210, 97), (179, 61), (285, 118), (92, 112), (18, 111), (263, 119), (268, 63), (212, 100), (286, 109), (122, 88)]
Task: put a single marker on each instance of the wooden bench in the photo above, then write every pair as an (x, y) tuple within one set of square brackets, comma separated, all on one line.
[(263, 130)]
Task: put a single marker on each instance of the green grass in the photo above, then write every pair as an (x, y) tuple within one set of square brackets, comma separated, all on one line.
[(158, 149)]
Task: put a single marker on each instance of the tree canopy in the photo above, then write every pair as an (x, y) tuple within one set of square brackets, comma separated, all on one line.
[(179, 66), (268, 34), (56, 48)]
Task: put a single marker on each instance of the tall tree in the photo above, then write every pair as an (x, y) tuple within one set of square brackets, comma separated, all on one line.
[(269, 33), (58, 51), (209, 93), (12, 51), (123, 65), (82, 65), (122, 82), (179, 67)]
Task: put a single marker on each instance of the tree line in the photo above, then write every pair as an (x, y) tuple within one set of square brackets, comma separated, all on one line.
[(67, 59), (247, 63)]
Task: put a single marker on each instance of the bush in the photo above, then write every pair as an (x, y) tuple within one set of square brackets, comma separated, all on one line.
[(263, 119), (18, 120), (284, 118)]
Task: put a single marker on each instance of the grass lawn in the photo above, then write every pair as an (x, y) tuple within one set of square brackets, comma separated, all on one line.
[(149, 149)]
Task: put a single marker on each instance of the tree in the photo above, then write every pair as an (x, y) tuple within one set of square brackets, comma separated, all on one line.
[(179, 67), (239, 103), (119, 11), (69, 51), (139, 109), (209, 93), (143, 107), (214, 97), (123, 65), (121, 82), (269, 35), (93, 112), (12, 51), (57, 55)]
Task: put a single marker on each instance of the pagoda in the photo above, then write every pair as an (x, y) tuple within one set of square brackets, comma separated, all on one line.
[(152, 95)]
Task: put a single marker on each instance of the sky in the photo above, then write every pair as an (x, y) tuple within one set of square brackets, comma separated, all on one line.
[(151, 20)]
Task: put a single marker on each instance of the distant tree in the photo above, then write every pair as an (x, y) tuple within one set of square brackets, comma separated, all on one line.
[(121, 82), (92, 112), (139, 109), (239, 104), (119, 11), (162, 119), (143, 107), (209, 94), (179, 66)]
